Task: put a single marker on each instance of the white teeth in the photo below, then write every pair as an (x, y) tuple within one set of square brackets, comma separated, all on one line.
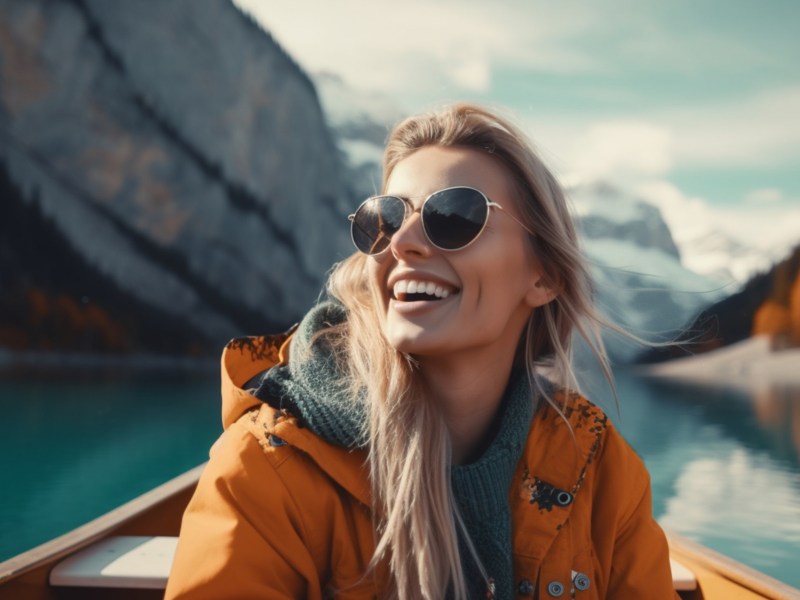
[(401, 287), (406, 286)]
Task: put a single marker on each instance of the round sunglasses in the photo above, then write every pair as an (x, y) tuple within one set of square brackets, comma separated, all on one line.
[(452, 219)]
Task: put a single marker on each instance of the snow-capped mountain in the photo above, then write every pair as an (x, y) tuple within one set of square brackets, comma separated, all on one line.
[(641, 281), (720, 256), (710, 237)]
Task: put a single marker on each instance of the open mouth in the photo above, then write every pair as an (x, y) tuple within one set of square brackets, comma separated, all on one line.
[(418, 291)]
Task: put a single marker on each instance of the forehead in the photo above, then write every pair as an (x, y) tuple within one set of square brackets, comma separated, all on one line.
[(433, 168)]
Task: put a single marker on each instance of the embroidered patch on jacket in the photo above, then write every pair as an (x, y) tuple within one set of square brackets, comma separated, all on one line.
[(261, 347), (546, 495), (581, 414)]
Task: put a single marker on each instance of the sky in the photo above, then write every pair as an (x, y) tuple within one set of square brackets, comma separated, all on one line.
[(692, 104)]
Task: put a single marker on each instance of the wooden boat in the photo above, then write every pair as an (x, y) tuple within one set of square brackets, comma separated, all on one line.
[(126, 554)]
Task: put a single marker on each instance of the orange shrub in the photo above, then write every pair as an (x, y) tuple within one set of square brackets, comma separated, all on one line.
[(771, 318)]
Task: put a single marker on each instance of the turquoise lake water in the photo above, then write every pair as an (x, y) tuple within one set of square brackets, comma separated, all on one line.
[(725, 465)]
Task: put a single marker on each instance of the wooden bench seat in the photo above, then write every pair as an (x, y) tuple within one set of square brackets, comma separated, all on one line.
[(119, 562)]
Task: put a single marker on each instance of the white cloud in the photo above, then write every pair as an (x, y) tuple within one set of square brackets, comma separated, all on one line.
[(764, 196), (471, 72), (758, 131), (416, 44), (621, 148), (714, 497), (420, 46)]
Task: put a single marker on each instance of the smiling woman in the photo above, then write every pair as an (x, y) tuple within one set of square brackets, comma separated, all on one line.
[(404, 441)]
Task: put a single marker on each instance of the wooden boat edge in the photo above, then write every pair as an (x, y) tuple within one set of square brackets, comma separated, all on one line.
[(695, 555)]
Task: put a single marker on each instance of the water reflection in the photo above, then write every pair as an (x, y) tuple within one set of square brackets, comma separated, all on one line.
[(778, 410), (766, 418), (725, 466)]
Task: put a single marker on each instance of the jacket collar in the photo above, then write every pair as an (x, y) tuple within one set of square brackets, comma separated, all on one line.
[(559, 452), (244, 359)]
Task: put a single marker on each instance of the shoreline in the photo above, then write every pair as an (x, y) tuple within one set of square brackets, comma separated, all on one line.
[(751, 364)]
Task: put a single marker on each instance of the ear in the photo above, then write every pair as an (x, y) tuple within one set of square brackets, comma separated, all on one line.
[(540, 292)]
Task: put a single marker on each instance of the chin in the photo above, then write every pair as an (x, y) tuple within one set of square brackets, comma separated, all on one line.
[(409, 342)]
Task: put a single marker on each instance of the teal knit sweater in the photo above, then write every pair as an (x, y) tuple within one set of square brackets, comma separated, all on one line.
[(309, 386)]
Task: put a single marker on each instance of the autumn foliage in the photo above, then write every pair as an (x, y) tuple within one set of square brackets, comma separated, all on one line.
[(779, 315), (53, 300)]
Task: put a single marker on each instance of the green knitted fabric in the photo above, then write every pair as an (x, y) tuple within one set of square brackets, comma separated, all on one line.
[(481, 491), (309, 386)]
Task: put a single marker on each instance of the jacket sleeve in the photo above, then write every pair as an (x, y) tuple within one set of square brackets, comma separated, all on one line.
[(640, 556), (242, 535)]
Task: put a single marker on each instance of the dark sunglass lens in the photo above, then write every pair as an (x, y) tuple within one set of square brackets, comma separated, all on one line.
[(375, 222), (453, 218)]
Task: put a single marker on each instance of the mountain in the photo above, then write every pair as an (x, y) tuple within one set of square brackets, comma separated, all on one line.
[(169, 180), (641, 281)]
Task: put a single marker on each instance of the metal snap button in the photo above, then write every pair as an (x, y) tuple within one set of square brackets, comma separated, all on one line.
[(563, 498), (555, 588), (275, 441), (581, 581), (525, 587)]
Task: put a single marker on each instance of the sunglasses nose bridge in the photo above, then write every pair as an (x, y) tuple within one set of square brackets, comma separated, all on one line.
[(411, 236)]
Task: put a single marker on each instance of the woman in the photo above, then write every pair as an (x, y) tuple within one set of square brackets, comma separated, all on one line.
[(403, 441)]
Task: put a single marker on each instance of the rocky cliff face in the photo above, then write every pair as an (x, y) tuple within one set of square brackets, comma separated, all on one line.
[(175, 156)]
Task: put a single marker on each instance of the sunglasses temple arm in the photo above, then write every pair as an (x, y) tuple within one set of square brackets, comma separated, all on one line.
[(521, 224)]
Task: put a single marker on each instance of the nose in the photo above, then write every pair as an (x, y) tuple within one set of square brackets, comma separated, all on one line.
[(410, 240)]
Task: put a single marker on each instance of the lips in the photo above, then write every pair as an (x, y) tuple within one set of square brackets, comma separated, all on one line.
[(413, 290)]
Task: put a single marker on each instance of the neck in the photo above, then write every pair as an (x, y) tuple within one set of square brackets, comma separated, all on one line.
[(470, 391)]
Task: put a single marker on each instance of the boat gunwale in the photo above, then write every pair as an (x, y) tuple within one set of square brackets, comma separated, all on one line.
[(691, 553)]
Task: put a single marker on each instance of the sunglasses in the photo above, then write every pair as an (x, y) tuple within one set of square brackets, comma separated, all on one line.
[(452, 219)]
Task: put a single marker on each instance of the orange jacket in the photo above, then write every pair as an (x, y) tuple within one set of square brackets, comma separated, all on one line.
[(280, 513)]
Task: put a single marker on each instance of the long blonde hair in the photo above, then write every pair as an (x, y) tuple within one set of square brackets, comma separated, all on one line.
[(409, 448)]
